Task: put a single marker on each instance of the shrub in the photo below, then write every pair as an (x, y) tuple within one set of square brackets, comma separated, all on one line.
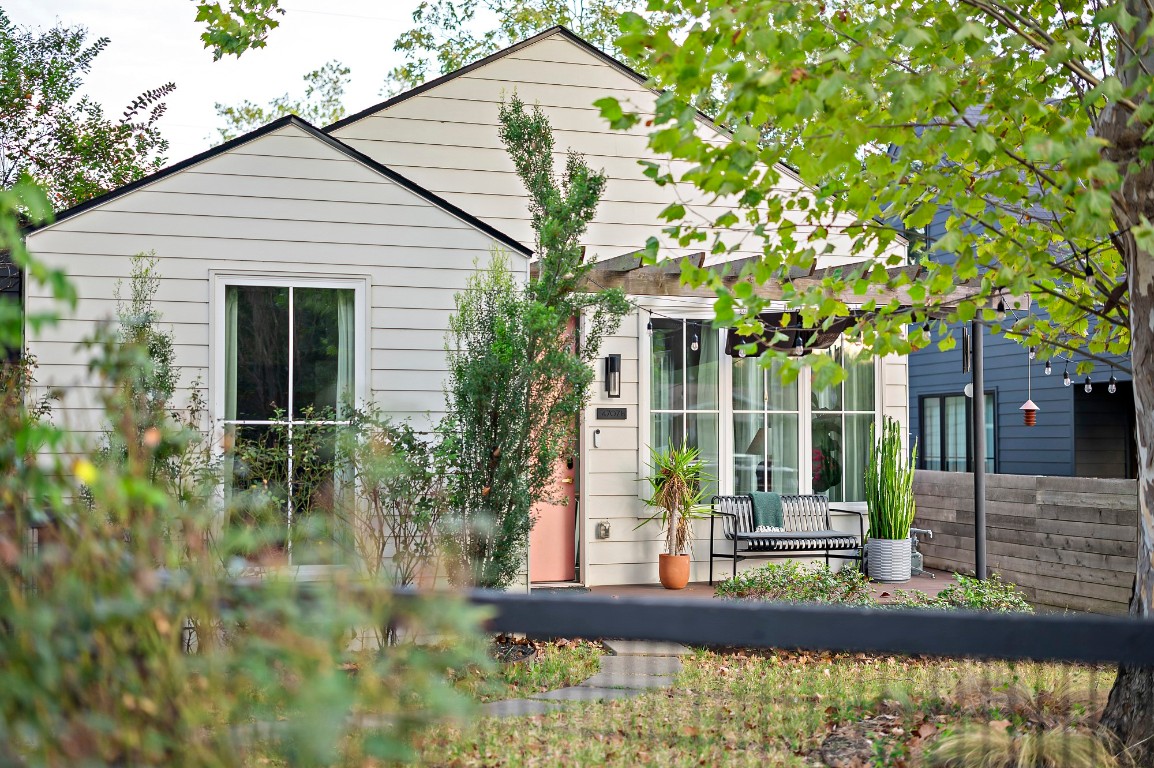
[(990, 594), (790, 582)]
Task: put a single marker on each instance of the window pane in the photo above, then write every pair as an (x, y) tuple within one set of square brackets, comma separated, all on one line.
[(315, 479), (856, 451), (257, 466), (749, 450), (826, 437), (322, 350), (701, 429), (859, 382), (827, 398), (991, 446), (701, 371), (782, 397), (748, 385), (667, 429), (780, 470), (930, 447), (260, 338), (956, 434), (667, 387)]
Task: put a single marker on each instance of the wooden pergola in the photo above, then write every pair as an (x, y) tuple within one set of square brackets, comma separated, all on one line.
[(630, 274)]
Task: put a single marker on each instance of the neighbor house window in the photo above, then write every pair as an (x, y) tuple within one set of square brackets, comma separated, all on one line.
[(290, 377), (840, 421), (684, 388), (765, 433), (945, 443)]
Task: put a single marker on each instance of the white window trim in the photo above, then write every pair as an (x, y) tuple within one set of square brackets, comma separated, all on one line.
[(361, 286)]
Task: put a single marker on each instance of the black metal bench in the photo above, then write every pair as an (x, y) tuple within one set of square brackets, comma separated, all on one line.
[(807, 530)]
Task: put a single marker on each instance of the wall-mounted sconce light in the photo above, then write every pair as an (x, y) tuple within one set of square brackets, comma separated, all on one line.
[(613, 375)]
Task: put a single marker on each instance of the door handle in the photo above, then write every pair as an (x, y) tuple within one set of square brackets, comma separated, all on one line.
[(567, 481)]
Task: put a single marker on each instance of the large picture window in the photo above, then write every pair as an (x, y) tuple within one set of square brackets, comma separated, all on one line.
[(684, 399), (945, 442), (749, 426), (290, 369)]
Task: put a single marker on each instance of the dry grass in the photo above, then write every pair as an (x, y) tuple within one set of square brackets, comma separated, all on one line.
[(745, 709)]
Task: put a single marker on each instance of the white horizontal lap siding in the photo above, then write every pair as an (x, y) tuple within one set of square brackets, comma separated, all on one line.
[(446, 138), (285, 204), (894, 381), (611, 487)]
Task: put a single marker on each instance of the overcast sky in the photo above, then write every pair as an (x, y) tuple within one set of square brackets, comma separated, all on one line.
[(157, 41)]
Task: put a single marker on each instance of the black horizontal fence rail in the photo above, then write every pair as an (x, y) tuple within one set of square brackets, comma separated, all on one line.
[(696, 622)]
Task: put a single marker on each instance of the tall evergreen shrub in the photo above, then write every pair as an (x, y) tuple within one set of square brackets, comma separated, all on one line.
[(519, 371)]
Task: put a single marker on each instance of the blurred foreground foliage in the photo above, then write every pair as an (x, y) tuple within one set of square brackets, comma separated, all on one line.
[(125, 634)]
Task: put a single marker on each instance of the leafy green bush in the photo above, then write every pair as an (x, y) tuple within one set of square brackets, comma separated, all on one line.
[(790, 582), (990, 594), (123, 638)]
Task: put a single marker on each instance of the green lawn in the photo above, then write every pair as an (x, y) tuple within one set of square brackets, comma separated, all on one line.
[(777, 709)]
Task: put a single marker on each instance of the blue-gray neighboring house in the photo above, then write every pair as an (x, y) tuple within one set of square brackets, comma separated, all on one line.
[(1078, 433)]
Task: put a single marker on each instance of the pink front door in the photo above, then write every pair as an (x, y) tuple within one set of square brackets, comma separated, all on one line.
[(552, 546)]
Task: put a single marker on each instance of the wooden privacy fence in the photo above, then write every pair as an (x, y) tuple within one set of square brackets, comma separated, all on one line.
[(1068, 542)]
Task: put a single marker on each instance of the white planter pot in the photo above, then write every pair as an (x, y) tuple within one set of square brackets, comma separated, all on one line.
[(888, 560)]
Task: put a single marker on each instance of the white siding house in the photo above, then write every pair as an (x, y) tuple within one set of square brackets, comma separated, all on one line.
[(283, 206), (389, 211), (444, 134)]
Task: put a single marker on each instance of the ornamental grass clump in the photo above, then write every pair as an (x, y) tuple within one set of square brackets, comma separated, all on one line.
[(889, 484)]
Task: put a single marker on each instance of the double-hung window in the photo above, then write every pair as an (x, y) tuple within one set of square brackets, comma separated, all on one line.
[(945, 442), (291, 370)]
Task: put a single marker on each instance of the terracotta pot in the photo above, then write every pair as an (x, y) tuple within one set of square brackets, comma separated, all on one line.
[(673, 571)]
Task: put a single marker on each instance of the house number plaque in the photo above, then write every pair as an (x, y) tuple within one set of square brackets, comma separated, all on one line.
[(613, 414)]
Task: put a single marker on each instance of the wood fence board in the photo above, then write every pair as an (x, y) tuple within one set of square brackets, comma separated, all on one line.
[(1089, 530), (1095, 500)]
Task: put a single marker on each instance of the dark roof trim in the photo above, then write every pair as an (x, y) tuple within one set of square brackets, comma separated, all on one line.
[(312, 130), (557, 30)]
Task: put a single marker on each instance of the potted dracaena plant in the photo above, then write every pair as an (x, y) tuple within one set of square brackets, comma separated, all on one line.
[(676, 485), (889, 491)]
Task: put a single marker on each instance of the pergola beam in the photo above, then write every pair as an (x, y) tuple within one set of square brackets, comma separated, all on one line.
[(665, 280)]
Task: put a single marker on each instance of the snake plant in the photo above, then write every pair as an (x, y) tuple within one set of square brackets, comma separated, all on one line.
[(889, 483)]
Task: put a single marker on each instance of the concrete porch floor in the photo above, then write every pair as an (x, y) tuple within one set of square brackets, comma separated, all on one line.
[(931, 582)]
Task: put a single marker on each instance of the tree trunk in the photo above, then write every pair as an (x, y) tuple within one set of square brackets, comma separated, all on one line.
[(1129, 713)]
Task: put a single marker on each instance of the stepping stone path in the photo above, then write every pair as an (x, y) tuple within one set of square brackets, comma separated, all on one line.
[(633, 668)]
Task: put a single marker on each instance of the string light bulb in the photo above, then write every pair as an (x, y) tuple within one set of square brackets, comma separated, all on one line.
[(798, 346), (1033, 352), (695, 344), (1088, 386), (1089, 271), (1001, 310), (649, 327), (1048, 369), (1113, 387), (1066, 375)]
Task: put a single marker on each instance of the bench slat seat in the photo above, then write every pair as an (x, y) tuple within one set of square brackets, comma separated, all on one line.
[(806, 528)]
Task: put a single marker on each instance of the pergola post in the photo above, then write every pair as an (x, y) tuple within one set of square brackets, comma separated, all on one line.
[(978, 428)]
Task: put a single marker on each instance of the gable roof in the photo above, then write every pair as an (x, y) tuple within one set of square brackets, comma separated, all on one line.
[(561, 31), (316, 133)]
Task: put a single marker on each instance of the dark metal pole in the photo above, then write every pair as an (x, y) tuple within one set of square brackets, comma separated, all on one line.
[(978, 429)]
